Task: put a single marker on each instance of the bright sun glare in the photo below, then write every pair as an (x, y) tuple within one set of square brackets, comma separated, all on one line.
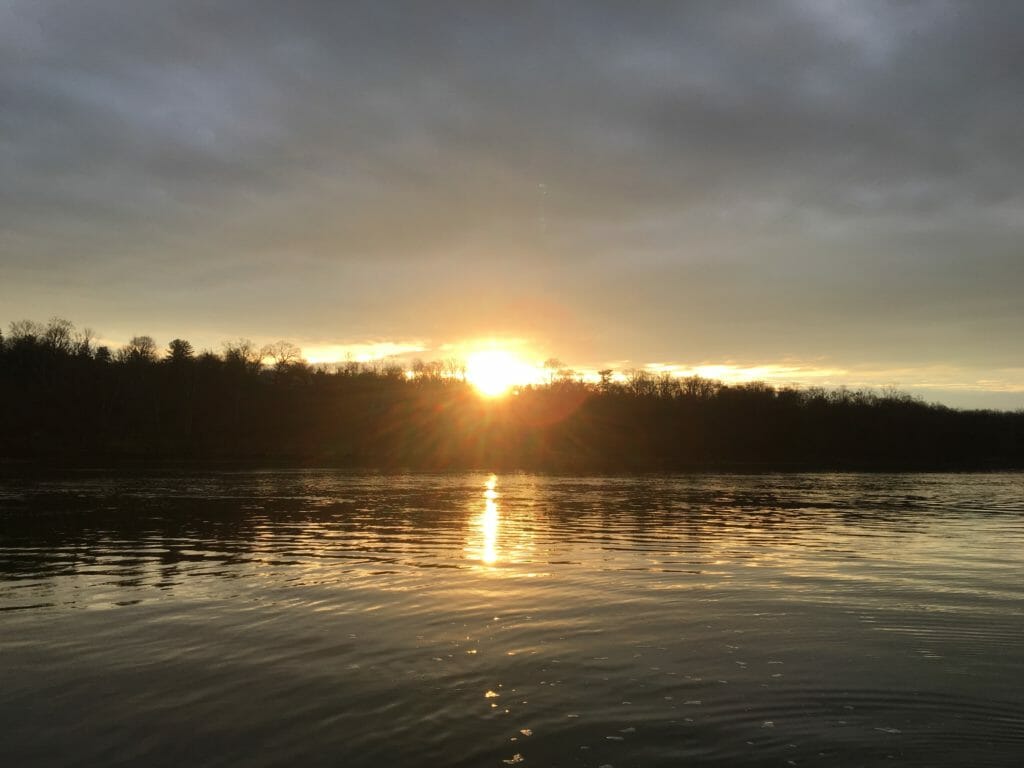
[(494, 371)]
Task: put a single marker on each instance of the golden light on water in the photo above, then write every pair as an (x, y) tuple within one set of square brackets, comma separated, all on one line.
[(495, 371), (489, 523), (501, 530)]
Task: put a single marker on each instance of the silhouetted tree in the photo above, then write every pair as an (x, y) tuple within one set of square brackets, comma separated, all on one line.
[(281, 354), (179, 351), (26, 329), (59, 335), (454, 368), (83, 341), (552, 365), (139, 349), (242, 353)]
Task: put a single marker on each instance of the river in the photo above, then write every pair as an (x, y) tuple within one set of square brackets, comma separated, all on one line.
[(320, 618)]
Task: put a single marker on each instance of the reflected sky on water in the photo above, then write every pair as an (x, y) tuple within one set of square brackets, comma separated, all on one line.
[(268, 618)]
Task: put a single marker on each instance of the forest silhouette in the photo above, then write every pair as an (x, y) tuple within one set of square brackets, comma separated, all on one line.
[(66, 399)]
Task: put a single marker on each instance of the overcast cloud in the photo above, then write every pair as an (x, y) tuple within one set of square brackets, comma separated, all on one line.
[(836, 183)]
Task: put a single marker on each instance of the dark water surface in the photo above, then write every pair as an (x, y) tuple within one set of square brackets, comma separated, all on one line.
[(329, 619)]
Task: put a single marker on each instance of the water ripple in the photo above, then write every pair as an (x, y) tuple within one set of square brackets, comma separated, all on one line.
[(269, 618)]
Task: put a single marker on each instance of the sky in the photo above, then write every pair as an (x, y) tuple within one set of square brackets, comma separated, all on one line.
[(813, 192)]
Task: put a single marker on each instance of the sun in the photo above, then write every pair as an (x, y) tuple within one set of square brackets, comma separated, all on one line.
[(494, 371)]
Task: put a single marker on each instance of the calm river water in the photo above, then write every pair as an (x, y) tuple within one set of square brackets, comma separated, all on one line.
[(319, 618)]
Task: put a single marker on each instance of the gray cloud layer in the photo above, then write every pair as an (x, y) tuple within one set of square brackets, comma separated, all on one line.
[(687, 181)]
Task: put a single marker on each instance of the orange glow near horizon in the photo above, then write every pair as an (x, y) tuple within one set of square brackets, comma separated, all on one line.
[(493, 372)]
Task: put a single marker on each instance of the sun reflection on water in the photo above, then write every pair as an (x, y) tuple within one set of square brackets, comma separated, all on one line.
[(502, 532), (489, 523)]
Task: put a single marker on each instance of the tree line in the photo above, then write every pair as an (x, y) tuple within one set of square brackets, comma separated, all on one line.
[(65, 398)]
